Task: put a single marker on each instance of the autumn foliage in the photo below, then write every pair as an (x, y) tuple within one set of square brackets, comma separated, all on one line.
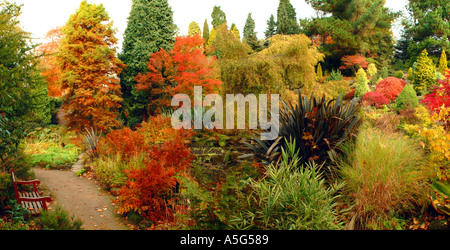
[(124, 142), (131, 143), (48, 64), (354, 62), (375, 99), (158, 129), (178, 71), (439, 96), (390, 88), (88, 64), (438, 100), (148, 190)]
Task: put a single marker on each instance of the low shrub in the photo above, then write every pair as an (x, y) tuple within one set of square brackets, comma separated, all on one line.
[(148, 191), (110, 170), (350, 95), (290, 197), (319, 126), (399, 74), (374, 99), (390, 87), (124, 142), (384, 176), (407, 98), (58, 220), (438, 101), (335, 76), (436, 140), (362, 85), (331, 89)]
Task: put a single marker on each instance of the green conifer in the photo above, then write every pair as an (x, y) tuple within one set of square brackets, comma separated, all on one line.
[(150, 28)]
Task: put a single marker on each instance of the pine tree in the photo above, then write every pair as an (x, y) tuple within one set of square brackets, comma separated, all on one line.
[(206, 31), (428, 27), (287, 19), (194, 29), (424, 73), (218, 17), (150, 28), (250, 34), (271, 29), (443, 62), (88, 64), (352, 27), (235, 31)]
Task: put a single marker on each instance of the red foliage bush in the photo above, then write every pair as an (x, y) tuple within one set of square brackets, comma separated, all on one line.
[(439, 95), (148, 190), (126, 142), (375, 99), (390, 87), (350, 95)]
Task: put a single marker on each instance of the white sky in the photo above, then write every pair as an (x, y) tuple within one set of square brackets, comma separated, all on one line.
[(39, 16)]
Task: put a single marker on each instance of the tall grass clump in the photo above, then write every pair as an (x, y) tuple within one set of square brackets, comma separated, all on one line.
[(292, 196), (111, 170), (384, 177)]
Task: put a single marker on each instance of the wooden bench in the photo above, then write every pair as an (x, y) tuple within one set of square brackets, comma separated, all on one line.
[(31, 200)]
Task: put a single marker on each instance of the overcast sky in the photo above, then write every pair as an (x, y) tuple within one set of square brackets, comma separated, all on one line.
[(39, 16)]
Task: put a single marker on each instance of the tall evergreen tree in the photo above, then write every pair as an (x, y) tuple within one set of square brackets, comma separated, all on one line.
[(271, 30), (429, 26), (352, 27), (150, 28), (194, 29), (250, 35), (206, 31), (218, 17), (271, 27), (23, 92), (287, 19)]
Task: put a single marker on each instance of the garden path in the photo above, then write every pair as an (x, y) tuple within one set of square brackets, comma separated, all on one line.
[(81, 197)]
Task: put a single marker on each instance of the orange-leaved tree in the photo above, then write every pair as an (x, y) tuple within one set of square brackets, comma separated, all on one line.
[(354, 62), (48, 64), (89, 66), (178, 71)]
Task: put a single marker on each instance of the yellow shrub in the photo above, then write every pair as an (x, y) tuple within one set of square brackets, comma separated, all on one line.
[(434, 137), (331, 89)]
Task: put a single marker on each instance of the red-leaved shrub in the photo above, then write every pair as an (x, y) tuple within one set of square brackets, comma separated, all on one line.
[(374, 99), (390, 87), (439, 95), (350, 95), (126, 142), (148, 190)]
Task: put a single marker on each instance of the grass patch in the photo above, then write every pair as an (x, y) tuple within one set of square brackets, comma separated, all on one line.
[(384, 176), (50, 148)]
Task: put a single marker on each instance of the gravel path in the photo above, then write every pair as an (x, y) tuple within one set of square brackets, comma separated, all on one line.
[(81, 197)]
